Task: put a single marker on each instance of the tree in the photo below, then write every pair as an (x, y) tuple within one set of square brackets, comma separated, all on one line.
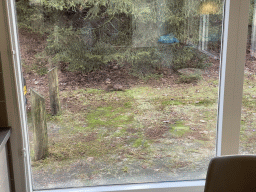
[(84, 29)]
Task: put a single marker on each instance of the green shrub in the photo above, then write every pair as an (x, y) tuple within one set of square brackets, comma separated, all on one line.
[(144, 61), (189, 78), (40, 64), (188, 57), (67, 45), (30, 16)]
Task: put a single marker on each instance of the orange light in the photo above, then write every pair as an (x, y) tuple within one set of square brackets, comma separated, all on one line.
[(208, 8)]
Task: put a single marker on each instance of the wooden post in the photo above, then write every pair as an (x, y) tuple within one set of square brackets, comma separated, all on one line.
[(54, 91), (39, 125), (253, 36)]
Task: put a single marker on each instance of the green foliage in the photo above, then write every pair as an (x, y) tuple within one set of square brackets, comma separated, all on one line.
[(29, 16), (59, 39), (128, 104), (251, 11), (67, 45), (172, 102), (178, 129), (115, 118), (40, 63), (95, 6), (248, 102), (176, 20), (88, 35), (188, 57), (144, 61), (125, 169), (140, 142), (205, 102)]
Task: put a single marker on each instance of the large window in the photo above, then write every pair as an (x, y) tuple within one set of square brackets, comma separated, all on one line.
[(138, 92), (247, 130)]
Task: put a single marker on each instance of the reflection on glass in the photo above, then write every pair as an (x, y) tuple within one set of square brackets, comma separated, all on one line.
[(136, 82), (248, 115)]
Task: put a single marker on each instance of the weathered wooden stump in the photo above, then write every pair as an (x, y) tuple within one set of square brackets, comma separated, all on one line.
[(253, 37), (54, 91), (39, 125)]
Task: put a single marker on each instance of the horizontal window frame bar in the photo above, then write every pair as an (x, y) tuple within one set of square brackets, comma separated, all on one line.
[(175, 186)]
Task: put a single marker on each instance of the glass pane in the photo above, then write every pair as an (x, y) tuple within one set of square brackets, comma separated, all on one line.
[(120, 91), (248, 115)]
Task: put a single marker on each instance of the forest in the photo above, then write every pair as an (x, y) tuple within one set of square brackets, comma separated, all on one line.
[(89, 35)]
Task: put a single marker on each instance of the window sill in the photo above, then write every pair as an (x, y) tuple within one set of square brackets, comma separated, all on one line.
[(192, 186)]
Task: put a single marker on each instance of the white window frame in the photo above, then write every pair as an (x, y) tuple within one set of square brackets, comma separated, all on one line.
[(234, 40)]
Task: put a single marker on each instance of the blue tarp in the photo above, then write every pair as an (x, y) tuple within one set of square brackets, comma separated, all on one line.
[(168, 39)]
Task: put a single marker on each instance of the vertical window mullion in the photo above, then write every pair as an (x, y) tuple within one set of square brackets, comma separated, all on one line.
[(231, 75), (14, 96)]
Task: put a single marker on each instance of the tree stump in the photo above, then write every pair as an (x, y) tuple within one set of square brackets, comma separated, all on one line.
[(39, 125), (54, 91)]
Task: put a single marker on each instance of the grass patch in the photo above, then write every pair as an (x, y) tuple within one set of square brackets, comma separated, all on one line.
[(205, 102), (112, 126), (172, 102), (76, 147), (178, 129), (140, 142), (163, 102), (93, 91), (108, 117), (119, 133), (248, 102), (128, 105)]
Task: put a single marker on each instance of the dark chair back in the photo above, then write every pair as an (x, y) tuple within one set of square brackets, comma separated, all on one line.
[(231, 174)]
